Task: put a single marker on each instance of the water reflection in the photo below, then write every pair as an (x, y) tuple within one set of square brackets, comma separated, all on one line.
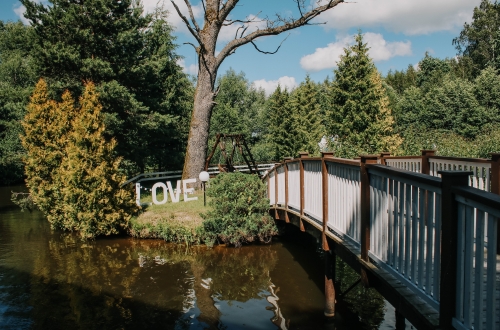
[(52, 280)]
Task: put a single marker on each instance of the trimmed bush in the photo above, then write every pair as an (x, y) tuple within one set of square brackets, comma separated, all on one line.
[(239, 210)]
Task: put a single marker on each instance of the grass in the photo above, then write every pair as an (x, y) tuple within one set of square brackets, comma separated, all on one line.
[(174, 222)]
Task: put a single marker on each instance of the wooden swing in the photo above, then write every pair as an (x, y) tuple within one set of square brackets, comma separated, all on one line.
[(236, 143)]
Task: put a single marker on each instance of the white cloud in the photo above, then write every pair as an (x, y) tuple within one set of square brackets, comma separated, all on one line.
[(407, 16), (20, 13), (191, 69), (173, 17), (269, 86), (380, 50), (20, 10)]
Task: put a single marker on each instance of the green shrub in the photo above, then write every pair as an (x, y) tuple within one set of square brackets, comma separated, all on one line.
[(239, 210)]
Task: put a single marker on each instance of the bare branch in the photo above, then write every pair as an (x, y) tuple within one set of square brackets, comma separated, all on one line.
[(204, 7), (185, 20), (231, 21), (287, 25), (190, 9), (194, 46), (226, 9), (243, 32), (264, 52)]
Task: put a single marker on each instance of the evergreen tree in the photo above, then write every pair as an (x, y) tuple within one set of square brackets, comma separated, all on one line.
[(308, 126), (361, 120), (130, 57), (280, 135), (46, 128), (71, 170), (17, 78), (93, 203), (401, 80)]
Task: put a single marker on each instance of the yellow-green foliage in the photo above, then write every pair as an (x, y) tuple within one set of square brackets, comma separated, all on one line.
[(71, 169)]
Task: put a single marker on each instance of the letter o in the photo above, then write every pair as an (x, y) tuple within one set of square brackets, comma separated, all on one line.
[(165, 195)]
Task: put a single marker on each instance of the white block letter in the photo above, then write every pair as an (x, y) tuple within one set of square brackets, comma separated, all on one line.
[(187, 190), (175, 198), (165, 195), (138, 194)]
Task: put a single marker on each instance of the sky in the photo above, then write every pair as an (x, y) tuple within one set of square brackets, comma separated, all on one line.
[(398, 32)]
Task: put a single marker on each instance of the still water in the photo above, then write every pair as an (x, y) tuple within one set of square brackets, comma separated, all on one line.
[(52, 280)]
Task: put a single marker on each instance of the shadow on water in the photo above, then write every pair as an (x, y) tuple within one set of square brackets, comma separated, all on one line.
[(52, 280)]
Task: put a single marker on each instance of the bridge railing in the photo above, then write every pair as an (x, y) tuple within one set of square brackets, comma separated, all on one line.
[(484, 172), (477, 290), (435, 234), (405, 222)]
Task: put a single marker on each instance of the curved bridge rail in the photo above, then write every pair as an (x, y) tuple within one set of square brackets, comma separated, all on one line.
[(429, 242)]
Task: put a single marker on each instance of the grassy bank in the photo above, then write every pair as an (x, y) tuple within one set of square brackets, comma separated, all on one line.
[(174, 222)]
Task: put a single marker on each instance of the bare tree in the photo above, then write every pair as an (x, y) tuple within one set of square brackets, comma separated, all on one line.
[(216, 14)]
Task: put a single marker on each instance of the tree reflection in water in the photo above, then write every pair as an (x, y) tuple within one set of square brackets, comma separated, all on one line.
[(50, 280)]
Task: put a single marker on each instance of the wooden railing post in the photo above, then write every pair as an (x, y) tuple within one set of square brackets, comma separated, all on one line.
[(276, 215), (449, 241), (324, 184), (365, 204), (287, 219), (495, 184), (302, 155), (382, 157), (426, 154)]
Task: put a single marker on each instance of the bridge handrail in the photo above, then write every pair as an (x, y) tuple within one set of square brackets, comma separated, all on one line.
[(414, 206), (477, 222)]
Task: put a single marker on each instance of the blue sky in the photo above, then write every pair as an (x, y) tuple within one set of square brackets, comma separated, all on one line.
[(399, 32)]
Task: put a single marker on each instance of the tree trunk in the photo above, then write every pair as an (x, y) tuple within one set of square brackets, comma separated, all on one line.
[(194, 161)]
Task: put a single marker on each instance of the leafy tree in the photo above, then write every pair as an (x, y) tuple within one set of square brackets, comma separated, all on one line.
[(360, 119), (130, 57), (452, 106), (308, 127), (238, 110), (431, 71), (487, 93), (479, 39), (17, 78)]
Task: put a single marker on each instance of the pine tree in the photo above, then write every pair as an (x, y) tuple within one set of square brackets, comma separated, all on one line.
[(92, 201), (280, 125), (46, 127), (306, 111), (360, 119), (71, 170)]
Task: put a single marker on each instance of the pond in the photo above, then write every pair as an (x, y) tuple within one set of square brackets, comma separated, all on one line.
[(53, 280)]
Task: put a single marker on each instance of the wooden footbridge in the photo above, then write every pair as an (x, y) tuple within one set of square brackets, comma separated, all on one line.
[(421, 230)]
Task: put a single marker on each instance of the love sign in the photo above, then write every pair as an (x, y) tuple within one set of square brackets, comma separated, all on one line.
[(168, 191)]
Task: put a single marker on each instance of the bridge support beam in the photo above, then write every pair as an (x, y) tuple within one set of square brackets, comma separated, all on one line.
[(400, 321), (330, 260)]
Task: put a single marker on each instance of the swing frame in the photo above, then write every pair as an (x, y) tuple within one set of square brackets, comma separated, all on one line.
[(238, 143)]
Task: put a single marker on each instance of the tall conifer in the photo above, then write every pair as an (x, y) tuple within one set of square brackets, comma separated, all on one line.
[(280, 125), (361, 120), (93, 202), (306, 106), (46, 126)]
